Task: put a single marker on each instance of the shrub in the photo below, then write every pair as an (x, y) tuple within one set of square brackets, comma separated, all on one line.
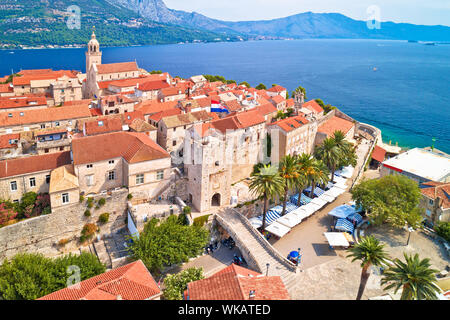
[(81, 199), (129, 196), (7, 212), (187, 210), (10, 222), (90, 205), (90, 202), (101, 202), (89, 230), (87, 213), (104, 217), (97, 207), (443, 230), (176, 284), (182, 219), (201, 221)]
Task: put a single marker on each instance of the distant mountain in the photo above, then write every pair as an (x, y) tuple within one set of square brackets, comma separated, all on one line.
[(43, 23), (299, 26)]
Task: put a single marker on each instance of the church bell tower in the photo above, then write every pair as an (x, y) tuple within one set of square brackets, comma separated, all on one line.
[(93, 53)]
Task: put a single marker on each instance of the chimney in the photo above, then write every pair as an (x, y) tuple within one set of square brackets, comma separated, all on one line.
[(252, 295)]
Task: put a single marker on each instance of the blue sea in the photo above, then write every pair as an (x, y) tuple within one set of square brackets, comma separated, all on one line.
[(402, 88)]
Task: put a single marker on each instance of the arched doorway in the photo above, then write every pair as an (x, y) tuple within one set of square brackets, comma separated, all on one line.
[(215, 202)]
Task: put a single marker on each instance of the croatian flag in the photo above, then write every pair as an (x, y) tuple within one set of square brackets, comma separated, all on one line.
[(216, 106)]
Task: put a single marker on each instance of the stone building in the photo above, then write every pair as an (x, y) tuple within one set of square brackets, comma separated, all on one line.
[(22, 103), (435, 201), (291, 136), (115, 104), (21, 175), (52, 140)]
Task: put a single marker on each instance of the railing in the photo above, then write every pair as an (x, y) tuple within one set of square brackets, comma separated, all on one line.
[(265, 244)]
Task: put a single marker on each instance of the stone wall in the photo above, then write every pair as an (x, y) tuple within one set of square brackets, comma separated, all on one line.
[(42, 234)]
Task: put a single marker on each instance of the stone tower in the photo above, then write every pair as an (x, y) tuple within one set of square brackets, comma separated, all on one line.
[(299, 98), (93, 53)]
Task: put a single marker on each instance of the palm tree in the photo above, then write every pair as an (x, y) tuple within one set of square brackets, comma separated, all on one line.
[(289, 173), (305, 165), (415, 277), (266, 182), (370, 252), (318, 174), (348, 156), (330, 154)]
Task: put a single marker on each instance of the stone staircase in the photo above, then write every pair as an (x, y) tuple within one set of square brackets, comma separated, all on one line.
[(252, 244)]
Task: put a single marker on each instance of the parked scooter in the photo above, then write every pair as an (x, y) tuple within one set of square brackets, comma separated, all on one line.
[(238, 260)]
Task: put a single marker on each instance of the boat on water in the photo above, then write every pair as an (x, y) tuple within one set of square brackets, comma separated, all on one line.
[(413, 41), (430, 43)]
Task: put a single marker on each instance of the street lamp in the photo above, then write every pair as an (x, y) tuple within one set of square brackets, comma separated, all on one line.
[(409, 235), (267, 270)]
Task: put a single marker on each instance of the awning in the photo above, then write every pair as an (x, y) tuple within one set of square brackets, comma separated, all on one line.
[(300, 213), (355, 217), (320, 202), (334, 192), (317, 191), (278, 229), (378, 154), (310, 208), (290, 220), (344, 225), (340, 180), (327, 197), (303, 200), (346, 172), (342, 186), (271, 216), (336, 239), (342, 212), (256, 222)]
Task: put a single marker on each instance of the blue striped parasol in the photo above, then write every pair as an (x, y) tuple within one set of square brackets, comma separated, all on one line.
[(344, 225)]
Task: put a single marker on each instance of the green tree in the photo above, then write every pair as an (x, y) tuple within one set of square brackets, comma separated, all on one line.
[(414, 276), (393, 199), (266, 183), (443, 230), (317, 175), (261, 86), (371, 253), (330, 154), (176, 284), (30, 276), (245, 83), (168, 243), (348, 151), (289, 172)]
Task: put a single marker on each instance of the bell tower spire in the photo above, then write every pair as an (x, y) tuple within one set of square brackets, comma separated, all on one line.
[(93, 54)]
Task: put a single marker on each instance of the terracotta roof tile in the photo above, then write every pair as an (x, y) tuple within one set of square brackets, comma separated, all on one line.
[(291, 123), (313, 106), (378, 154), (117, 67), (22, 102), (51, 75), (153, 85), (7, 138), (235, 283), (130, 282), (166, 113), (335, 124), (94, 127), (132, 146), (277, 89), (19, 166), (150, 107), (438, 189)]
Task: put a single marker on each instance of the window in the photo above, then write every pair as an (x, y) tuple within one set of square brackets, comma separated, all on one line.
[(111, 161), (139, 179), (61, 148), (428, 213), (57, 123), (90, 180), (47, 179), (32, 182), (111, 175), (16, 201), (160, 175), (65, 198), (13, 186), (46, 150), (89, 166), (431, 201), (42, 126), (174, 143)]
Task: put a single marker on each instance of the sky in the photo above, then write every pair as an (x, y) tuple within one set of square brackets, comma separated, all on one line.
[(427, 12)]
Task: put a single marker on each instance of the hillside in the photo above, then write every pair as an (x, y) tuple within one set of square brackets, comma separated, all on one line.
[(35, 23), (299, 26)]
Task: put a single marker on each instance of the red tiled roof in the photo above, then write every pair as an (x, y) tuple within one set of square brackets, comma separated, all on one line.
[(290, 103), (22, 101), (438, 189), (6, 139), (133, 147), (77, 102), (151, 106), (266, 109), (95, 112), (290, 123), (378, 154), (19, 166), (44, 115), (35, 71), (6, 88), (103, 126), (278, 99), (166, 113), (277, 89), (153, 85), (249, 118), (131, 282), (335, 124), (235, 283), (117, 67), (51, 75), (171, 91), (313, 106), (123, 83), (232, 105)]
